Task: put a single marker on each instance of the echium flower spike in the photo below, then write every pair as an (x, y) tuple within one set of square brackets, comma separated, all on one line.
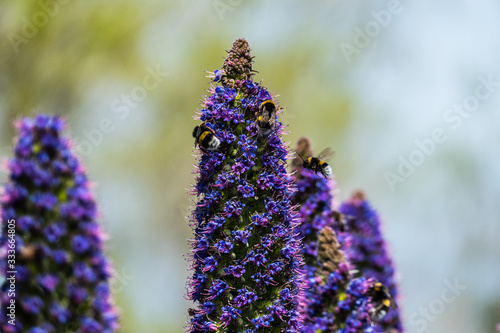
[(245, 259), (367, 251), (51, 239), (333, 301), (315, 198)]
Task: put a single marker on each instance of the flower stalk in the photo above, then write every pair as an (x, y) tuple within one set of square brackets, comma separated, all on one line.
[(245, 259)]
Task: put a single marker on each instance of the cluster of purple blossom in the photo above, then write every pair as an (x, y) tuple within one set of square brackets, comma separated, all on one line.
[(334, 300), (259, 265), (367, 251), (265, 254), (56, 252), (245, 258)]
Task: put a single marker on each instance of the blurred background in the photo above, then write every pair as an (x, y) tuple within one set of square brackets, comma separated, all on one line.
[(374, 80)]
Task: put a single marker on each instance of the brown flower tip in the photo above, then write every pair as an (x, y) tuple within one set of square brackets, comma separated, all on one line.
[(238, 64), (329, 253), (358, 195), (304, 149)]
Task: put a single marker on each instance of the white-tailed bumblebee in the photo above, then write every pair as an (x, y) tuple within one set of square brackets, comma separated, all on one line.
[(381, 299), (205, 137), (317, 164), (266, 120)]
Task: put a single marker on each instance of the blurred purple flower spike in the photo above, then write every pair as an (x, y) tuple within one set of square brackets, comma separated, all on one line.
[(49, 225), (367, 251)]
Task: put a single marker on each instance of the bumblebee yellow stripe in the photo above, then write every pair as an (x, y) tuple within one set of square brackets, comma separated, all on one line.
[(267, 101), (386, 302), (203, 135), (321, 162)]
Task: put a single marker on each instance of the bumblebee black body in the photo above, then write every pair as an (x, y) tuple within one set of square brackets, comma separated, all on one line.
[(266, 119), (382, 301), (268, 106), (316, 165), (205, 137)]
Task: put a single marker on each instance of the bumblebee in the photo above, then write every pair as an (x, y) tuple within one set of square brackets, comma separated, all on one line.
[(266, 120), (381, 300), (205, 137), (339, 218), (317, 164)]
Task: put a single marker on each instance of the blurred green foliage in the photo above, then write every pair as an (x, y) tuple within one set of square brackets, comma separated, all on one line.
[(51, 51)]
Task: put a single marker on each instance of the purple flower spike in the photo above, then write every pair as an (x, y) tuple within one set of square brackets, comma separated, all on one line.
[(245, 260), (367, 251), (49, 226), (314, 195), (334, 302)]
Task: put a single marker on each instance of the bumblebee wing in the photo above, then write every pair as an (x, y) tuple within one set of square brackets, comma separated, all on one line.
[(196, 135), (326, 154), (394, 305), (389, 297), (272, 121)]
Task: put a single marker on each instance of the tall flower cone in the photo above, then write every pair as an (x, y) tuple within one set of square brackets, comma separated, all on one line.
[(245, 261), (367, 251), (314, 195), (51, 244), (334, 301)]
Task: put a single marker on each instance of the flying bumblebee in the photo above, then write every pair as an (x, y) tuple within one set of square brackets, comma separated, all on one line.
[(381, 299), (266, 120), (317, 164), (205, 137)]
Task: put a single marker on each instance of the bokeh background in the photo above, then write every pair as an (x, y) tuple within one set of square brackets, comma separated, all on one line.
[(82, 59)]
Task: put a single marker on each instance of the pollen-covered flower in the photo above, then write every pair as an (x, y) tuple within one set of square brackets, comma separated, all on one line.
[(51, 239), (367, 251), (245, 255)]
